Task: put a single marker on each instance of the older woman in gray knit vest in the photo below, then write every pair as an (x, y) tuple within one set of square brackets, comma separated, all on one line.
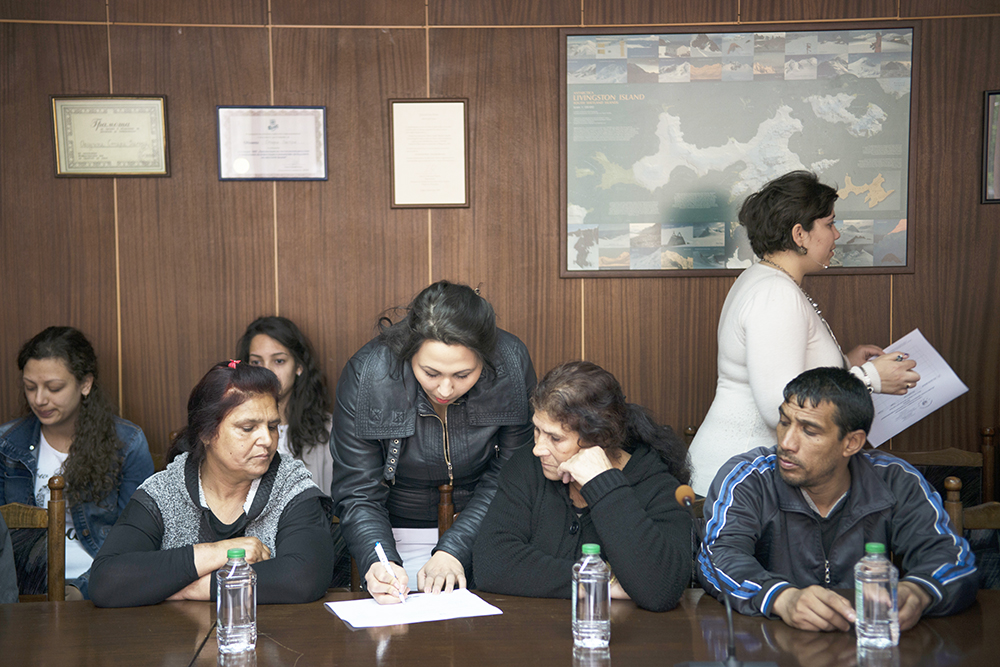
[(225, 487)]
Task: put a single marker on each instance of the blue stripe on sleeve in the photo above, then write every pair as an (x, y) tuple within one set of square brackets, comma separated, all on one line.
[(965, 564)]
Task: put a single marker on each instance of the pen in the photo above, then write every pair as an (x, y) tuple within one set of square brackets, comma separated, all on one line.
[(380, 552)]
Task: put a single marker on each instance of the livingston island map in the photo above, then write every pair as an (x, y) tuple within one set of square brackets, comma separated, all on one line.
[(667, 134)]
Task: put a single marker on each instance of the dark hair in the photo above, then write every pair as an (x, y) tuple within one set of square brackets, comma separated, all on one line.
[(447, 312), (769, 215), (587, 399), (223, 389), (854, 407), (95, 460), (308, 401)]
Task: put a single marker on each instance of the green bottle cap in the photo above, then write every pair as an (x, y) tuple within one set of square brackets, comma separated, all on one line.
[(236, 553), (874, 548), (591, 549)]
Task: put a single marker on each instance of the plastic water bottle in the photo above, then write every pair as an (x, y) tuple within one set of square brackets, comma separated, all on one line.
[(875, 582), (591, 599), (236, 604), (878, 657)]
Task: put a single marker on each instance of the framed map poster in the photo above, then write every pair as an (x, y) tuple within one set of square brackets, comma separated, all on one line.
[(664, 135), (991, 149)]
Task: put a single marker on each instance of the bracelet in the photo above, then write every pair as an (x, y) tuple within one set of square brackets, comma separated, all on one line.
[(862, 375), (873, 376)]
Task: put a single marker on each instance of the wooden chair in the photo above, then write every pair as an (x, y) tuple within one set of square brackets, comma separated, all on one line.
[(952, 457), (53, 519), (446, 509), (981, 517)]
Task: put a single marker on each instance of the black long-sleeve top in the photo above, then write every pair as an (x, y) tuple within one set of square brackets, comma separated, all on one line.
[(532, 533), (131, 570)]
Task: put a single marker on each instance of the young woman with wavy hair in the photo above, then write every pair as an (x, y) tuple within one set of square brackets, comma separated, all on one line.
[(68, 429), (278, 345)]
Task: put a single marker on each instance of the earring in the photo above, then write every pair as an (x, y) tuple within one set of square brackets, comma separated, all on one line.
[(801, 250)]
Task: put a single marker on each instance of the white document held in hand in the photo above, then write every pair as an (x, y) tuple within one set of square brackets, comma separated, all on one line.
[(419, 608), (938, 386)]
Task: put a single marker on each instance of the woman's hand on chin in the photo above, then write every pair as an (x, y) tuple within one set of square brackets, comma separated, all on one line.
[(443, 572), (585, 465)]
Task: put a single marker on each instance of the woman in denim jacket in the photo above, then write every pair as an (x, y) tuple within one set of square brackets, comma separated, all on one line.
[(70, 430)]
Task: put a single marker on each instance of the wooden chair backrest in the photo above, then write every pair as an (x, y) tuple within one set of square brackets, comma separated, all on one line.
[(981, 517), (446, 509), (53, 519), (951, 456)]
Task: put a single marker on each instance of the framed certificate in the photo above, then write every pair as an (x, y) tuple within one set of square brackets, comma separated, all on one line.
[(429, 158), (110, 135), (272, 143)]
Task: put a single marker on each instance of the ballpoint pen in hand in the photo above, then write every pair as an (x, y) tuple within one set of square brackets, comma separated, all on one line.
[(380, 552)]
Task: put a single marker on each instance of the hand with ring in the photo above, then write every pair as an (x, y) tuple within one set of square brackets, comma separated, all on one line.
[(896, 372)]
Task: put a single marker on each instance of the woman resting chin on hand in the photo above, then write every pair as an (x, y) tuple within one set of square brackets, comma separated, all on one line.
[(601, 471)]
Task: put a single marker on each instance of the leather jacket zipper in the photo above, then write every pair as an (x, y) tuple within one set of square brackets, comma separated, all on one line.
[(446, 446), (447, 453)]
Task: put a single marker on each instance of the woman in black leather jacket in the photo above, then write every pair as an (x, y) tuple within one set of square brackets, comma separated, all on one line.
[(439, 397)]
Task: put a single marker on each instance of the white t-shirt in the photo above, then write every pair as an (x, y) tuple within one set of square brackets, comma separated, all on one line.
[(50, 462), (283, 447)]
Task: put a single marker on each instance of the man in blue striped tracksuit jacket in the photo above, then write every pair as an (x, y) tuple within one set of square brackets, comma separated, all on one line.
[(786, 524)]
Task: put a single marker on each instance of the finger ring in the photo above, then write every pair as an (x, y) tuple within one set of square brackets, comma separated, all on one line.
[(909, 386), (899, 357)]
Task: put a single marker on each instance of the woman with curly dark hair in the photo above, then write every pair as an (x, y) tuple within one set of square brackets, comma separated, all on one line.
[(601, 471), (70, 430), (278, 345)]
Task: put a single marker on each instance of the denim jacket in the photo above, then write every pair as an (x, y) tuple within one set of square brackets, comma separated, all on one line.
[(92, 521)]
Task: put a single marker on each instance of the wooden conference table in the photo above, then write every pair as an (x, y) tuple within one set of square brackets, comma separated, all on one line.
[(530, 632)]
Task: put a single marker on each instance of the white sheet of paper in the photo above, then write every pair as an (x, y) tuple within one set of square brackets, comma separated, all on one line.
[(418, 608), (938, 386)]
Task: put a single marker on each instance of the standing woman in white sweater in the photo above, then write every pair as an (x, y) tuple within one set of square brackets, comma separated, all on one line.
[(770, 330)]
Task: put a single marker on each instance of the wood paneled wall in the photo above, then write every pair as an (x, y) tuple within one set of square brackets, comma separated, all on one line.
[(163, 274)]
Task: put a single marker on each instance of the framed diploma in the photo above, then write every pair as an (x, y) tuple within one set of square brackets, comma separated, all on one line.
[(429, 158), (110, 135), (272, 143)]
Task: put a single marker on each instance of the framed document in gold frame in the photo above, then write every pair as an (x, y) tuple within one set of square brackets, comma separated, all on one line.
[(110, 135)]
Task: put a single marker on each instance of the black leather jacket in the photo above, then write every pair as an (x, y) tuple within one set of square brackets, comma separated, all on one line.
[(388, 448)]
